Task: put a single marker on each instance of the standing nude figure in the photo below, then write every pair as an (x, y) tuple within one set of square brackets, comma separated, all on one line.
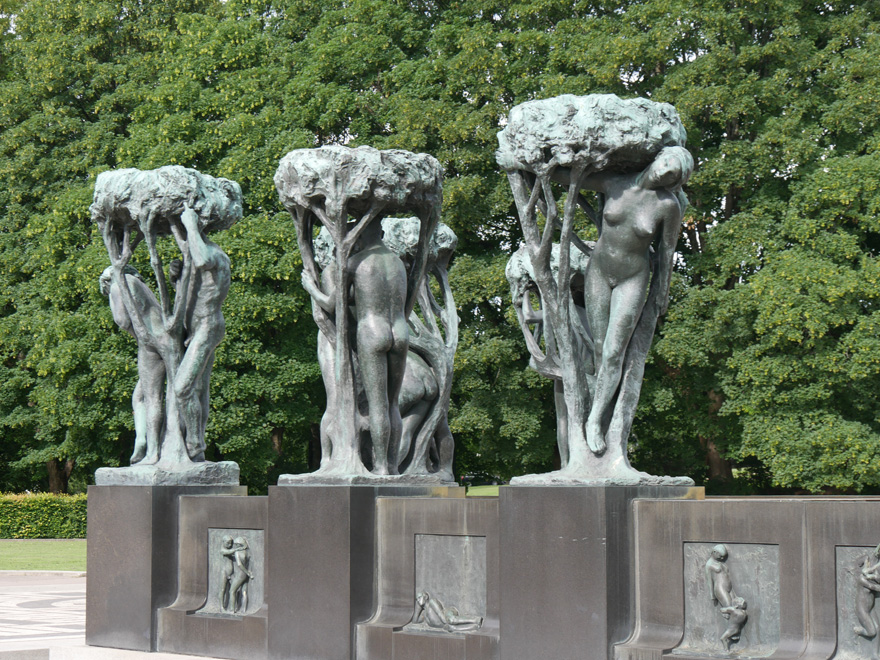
[(718, 576), (378, 285), (204, 325), (379, 296), (239, 586), (641, 210), (147, 399), (228, 569)]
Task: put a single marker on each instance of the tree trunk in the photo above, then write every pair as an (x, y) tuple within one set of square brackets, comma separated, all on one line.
[(59, 474), (719, 467)]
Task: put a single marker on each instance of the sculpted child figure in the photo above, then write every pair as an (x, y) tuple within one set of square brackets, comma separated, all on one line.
[(737, 616)]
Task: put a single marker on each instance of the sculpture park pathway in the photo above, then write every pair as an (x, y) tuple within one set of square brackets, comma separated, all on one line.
[(38, 610)]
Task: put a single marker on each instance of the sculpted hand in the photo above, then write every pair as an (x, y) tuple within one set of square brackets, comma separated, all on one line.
[(310, 285), (189, 218)]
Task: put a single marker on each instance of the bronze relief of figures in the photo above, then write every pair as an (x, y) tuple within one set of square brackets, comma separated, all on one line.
[(732, 607), (867, 579)]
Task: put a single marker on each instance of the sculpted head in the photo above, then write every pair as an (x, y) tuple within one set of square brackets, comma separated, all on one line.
[(226, 542), (422, 598), (719, 552), (106, 280), (671, 169)]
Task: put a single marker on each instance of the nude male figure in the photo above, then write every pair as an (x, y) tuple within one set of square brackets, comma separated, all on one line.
[(379, 288), (205, 328)]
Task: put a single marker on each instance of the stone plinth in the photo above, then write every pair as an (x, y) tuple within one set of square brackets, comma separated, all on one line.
[(322, 549), (566, 566), (132, 559), (794, 560), (196, 622), (448, 548)]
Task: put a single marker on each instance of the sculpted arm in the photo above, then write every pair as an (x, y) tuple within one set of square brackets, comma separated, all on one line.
[(326, 301), (202, 256), (665, 257)]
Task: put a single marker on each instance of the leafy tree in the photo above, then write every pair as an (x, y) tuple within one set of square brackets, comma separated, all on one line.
[(764, 367)]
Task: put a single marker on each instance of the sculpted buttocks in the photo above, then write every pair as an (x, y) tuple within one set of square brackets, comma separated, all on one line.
[(379, 296)]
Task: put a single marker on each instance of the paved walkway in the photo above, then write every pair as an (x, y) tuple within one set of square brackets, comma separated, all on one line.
[(41, 610)]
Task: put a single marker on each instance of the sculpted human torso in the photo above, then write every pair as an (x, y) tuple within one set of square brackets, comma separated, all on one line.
[(631, 221)]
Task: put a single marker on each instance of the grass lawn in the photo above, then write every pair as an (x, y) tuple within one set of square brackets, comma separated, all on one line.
[(43, 555), (482, 491)]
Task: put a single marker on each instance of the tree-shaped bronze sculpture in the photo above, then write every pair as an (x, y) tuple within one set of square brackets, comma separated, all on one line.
[(176, 337), (364, 302), (596, 330)]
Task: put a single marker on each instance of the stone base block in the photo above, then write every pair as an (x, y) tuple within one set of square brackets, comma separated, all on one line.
[(566, 567), (206, 473), (795, 561), (195, 622), (132, 559), (447, 548), (322, 545)]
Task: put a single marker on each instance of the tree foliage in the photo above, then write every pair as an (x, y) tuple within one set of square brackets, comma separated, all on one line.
[(767, 357)]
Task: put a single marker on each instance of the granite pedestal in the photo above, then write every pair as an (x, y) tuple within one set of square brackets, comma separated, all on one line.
[(196, 622), (322, 548), (448, 548), (567, 567), (132, 560), (795, 560)]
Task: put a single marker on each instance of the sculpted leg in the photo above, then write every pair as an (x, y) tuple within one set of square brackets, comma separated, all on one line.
[(373, 344), (396, 370), (152, 382), (597, 294), (627, 300), (140, 424)]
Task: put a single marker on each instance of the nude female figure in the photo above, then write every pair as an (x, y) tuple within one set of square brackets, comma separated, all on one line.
[(205, 328), (641, 210), (720, 586), (146, 400)]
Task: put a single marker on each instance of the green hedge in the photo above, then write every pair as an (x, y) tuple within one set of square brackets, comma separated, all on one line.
[(42, 516)]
